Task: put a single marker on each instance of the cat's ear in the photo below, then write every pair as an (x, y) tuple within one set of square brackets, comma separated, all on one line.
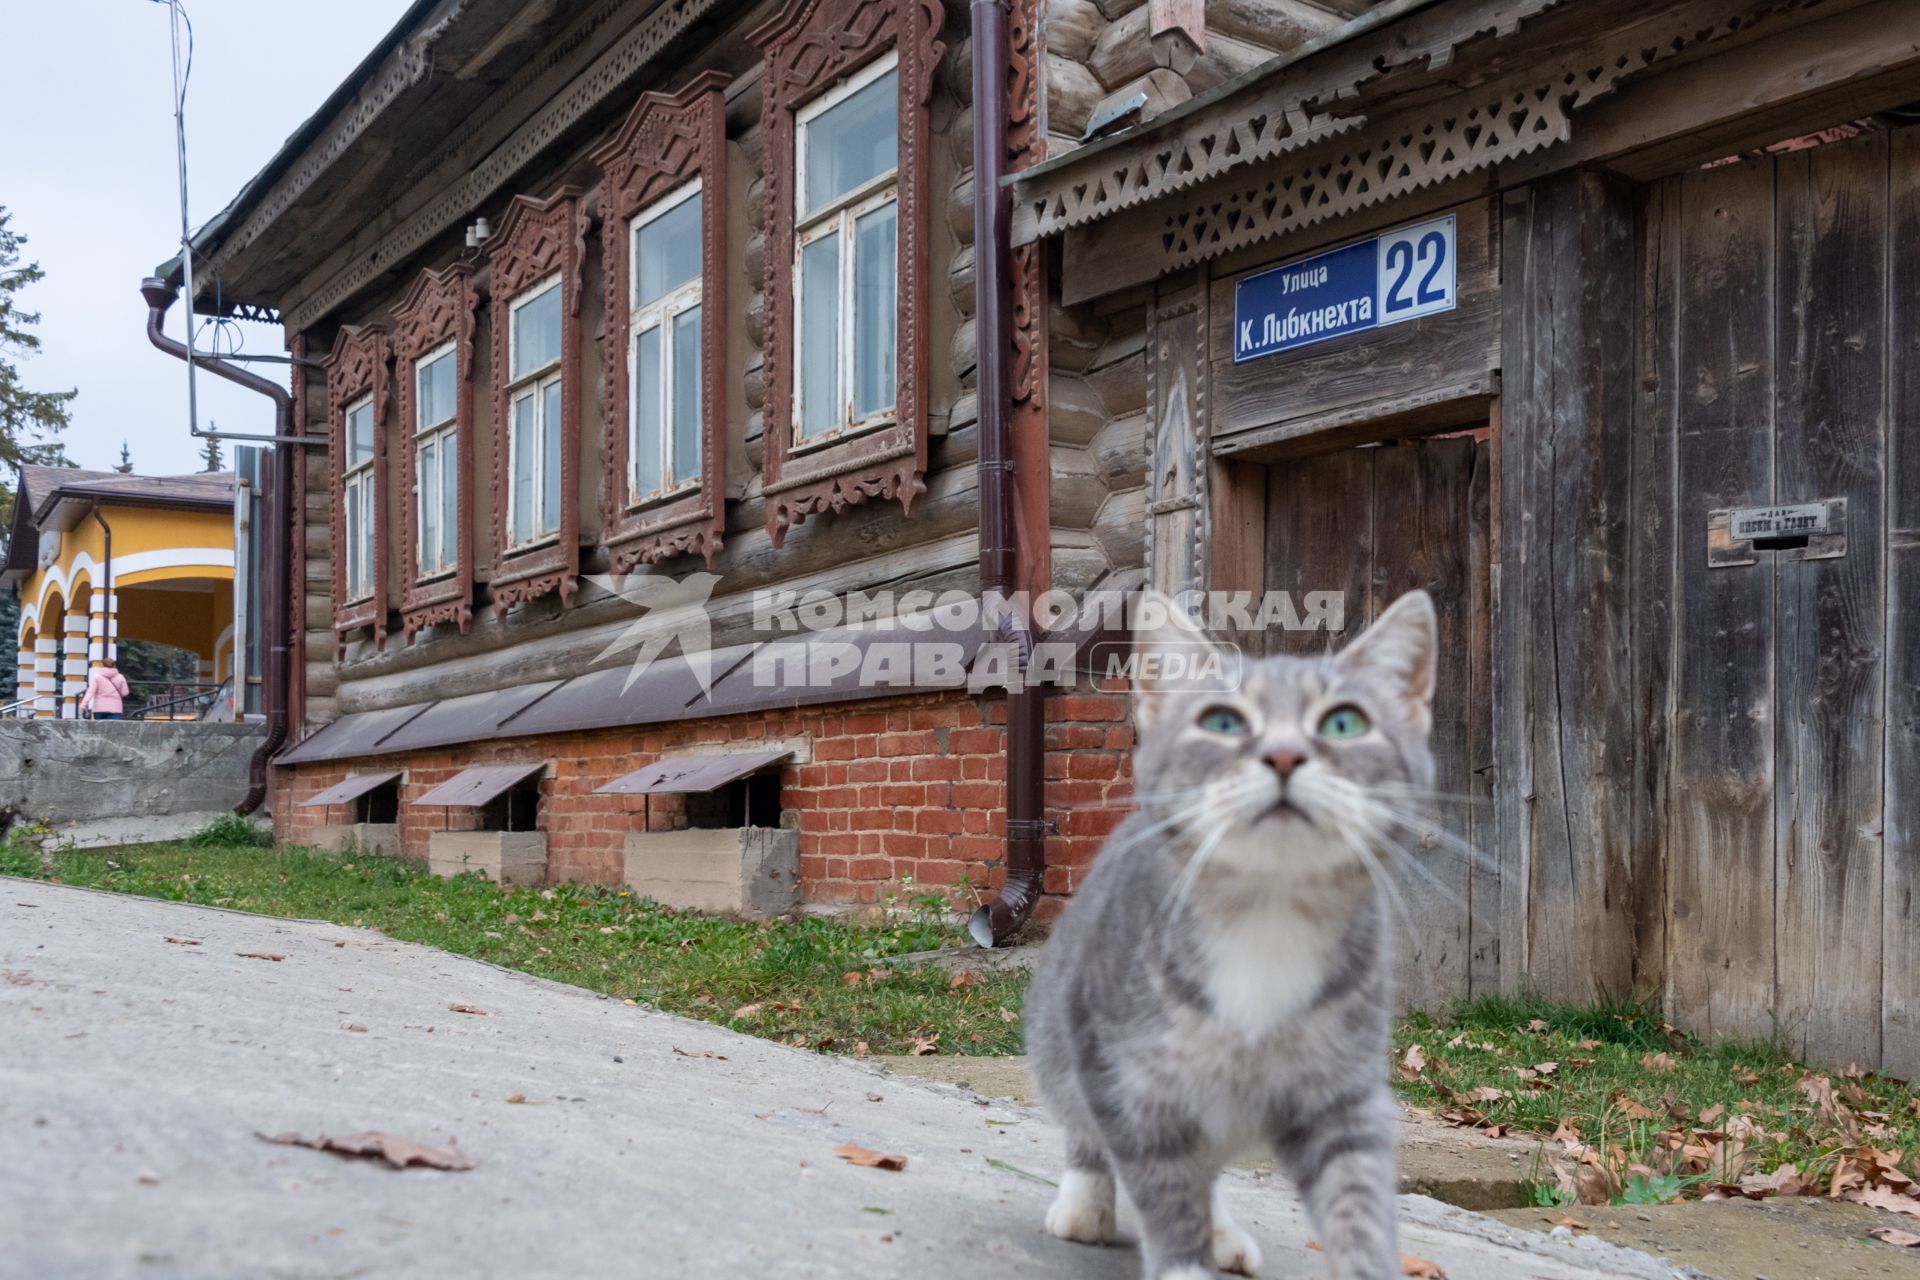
[(1172, 654), (1402, 648)]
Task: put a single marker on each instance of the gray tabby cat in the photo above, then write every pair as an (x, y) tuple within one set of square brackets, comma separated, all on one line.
[(1221, 980)]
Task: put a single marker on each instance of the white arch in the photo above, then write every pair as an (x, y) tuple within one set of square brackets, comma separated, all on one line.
[(124, 566)]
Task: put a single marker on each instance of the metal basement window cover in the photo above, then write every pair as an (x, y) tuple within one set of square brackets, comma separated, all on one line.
[(471, 788), (691, 773), (351, 789)]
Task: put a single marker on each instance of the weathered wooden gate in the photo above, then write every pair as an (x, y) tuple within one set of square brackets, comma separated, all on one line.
[(1375, 523)]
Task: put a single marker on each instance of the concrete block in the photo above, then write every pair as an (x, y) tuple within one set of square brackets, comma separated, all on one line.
[(505, 857), (360, 837), (752, 871)]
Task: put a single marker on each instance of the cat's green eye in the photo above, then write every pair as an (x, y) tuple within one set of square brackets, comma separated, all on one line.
[(1344, 722), (1225, 720)]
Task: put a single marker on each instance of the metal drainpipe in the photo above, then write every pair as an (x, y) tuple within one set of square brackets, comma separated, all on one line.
[(160, 296), (999, 919), (108, 649)]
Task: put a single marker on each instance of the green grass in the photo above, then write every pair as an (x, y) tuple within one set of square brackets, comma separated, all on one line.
[(815, 983), (1628, 1084)]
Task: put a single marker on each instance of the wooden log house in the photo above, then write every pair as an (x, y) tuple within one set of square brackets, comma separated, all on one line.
[(1597, 321)]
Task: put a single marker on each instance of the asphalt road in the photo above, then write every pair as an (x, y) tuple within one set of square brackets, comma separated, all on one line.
[(135, 1074)]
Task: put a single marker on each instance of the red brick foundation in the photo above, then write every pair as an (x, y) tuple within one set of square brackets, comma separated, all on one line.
[(896, 787)]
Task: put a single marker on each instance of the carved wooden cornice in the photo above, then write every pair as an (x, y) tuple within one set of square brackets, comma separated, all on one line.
[(1324, 139), (357, 366), (809, 45), (437, 307), (667, 141), (536, 239)]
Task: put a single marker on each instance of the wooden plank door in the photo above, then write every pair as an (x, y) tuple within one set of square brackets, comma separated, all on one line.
[(1375, 523)]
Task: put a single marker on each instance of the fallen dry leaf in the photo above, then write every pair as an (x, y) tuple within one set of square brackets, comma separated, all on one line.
[(259, 955), (922, 1047), (1884, 1198), (180, 942), (398, 1152), (516, 1097), (746, 1011), (1659, 1061), (1413, 1063), (1414, 1265), (1895, 1236), (962, 980), (853, 977), (703, 1053), (854, 1153), (467, 1008)]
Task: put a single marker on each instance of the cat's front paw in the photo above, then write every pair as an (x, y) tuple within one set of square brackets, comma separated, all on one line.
[(1233, 1249), (1083, 1210)]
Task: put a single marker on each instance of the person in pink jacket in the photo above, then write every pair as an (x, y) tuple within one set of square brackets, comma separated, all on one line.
[(106, 692)]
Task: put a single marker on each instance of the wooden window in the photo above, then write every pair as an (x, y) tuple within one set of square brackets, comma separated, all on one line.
[(436, 464), (665, 405), (844, 115), (357, 410), (535, 385), (844, 284), (433, 330), (535, 262), (359, 501)]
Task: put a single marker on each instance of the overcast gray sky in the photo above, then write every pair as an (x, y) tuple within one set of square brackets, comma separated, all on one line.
[(87, 167)]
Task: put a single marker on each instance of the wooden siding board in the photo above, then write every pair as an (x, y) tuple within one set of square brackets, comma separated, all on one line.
[(1320, 538), (1900, 927), (1720, 963), (1563, 627), (1650, 573), (1829, 614), (1476, 811), (1422, 499)]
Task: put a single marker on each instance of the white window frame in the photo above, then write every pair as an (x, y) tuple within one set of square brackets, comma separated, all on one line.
[(838, 217), (358, 487), (533, 383), (443, 436), (660, 314)]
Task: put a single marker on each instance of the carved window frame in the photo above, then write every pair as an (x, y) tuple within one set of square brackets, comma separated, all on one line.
[(536, 239), (356, 371), (666, 142), (810, 46), (437, 309)]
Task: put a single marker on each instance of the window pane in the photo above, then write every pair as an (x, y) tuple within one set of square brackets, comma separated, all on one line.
[(359, 434), (536, 331), (449, 502), (523, 468), (550, 459), (820, 336), (874, 311), (852, 141), (436, 391), (686, 396), (666, 251), (352, 549), (429, 507), (646, 412)]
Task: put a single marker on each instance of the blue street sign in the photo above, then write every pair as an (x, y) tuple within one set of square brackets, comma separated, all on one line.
[(1382, 280)]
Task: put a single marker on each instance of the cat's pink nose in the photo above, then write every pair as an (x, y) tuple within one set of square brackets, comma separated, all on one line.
[(1285, 762)]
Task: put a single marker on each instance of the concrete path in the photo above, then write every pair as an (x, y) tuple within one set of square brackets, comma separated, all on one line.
[(135, 1073)]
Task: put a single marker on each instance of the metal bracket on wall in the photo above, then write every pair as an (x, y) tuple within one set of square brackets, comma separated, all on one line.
[(1796, 531)]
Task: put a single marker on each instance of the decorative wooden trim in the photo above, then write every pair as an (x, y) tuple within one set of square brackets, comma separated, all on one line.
[(1026, 146), (808, 46), (555, 92), (437, 307), (667, 141), (357, 366), (535, 239)]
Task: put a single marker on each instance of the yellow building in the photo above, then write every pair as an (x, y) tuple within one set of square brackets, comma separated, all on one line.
[(98, 557)]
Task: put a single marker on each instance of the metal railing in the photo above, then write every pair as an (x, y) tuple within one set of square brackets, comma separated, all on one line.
[(172, 700)]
